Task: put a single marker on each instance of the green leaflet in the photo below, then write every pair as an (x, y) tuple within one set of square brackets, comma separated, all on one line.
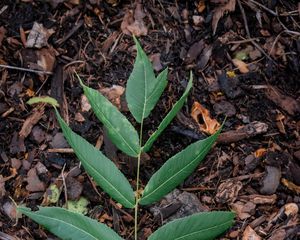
[(119, 129), (166, 121), (44, 99), (70, 226), (103, 170), (143, 89), (201, 226), (176, 169)]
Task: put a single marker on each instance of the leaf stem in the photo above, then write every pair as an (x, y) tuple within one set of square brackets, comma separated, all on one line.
[(137, 193)]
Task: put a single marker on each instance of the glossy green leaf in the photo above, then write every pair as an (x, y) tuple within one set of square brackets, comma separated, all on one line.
[(103, 170), (68, 225), (166, 121), (143, 88), (119, 129), (200, 226), (44, 99), (176, 169)]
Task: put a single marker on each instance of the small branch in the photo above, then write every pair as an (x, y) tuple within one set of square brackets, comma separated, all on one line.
[(60, 150), (249, 35), (25, 69), (263, 7)]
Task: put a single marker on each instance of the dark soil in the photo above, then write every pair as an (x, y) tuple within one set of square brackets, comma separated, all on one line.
[(254, 169)]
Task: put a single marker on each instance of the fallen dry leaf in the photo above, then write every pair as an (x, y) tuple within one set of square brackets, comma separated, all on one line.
[(85, 105), (260, 152), (250, 234), (33, 119), (133, 23), (279, 122), (34, 183), (242, 66), (287, 103), (201, 6), (292, 186), (228, 191), (244, 210), (291, 209), (113, 94), (38, 36), (10, 209), (219, 12), (156, 63), (210, 125), (46, 59)]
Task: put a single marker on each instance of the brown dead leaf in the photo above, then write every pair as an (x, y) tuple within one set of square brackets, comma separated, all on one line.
[(34, 183), (287, 103), (46, 59), (219, 12), (33, 119), (250, 234), (291, 209), (10, 209), (201, 6), (244, 210), (113, 94), (260, 152), (38, 36), (133, 23), (156, 63), (85, 105), (292, 186), (228, 191), (242, 66), (280, 122), (79, 117), (210, 125)]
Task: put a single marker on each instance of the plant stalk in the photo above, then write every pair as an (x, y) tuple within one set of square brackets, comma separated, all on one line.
[(137, 194)]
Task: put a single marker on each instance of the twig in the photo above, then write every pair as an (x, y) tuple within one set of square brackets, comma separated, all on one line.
[(249, 35), (278, 36), (25, 69), (263, 7), (65, 185), (243, 41), (61, 150)]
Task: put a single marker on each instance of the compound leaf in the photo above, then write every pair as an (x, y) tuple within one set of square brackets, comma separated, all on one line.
[(166, 121), (119, 129), (143, 88), (176, 169), (103, 170), (201, 226), (69, 225)]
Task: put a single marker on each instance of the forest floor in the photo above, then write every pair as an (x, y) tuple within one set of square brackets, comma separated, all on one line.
[(245, 58)]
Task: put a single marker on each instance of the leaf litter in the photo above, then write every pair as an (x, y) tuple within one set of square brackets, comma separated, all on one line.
[(265, 100)]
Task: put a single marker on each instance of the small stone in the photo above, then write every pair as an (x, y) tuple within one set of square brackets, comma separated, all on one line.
[(271, 180), (59, 141)]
